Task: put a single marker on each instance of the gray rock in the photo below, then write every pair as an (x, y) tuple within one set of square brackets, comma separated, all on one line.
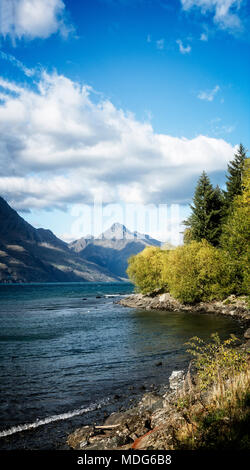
[(150, 402), (247, 334), (176, 379)]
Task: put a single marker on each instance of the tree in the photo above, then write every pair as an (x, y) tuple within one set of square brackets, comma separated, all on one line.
[(207, 212), (198, 272), (236, 232), (145, 269), (234, 177)]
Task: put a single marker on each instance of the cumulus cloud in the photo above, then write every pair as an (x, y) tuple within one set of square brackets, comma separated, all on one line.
[(31, 19), (225, 12), (208, 95), (59, 146), (182, 48)]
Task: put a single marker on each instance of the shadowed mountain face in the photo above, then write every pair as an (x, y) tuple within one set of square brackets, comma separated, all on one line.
[(37, 255), (112, 248)]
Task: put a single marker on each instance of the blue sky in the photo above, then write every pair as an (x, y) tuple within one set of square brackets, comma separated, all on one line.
[(125, 101)]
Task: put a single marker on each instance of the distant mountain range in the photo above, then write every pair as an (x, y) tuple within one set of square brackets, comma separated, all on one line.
[(28, 254), (112, 248)]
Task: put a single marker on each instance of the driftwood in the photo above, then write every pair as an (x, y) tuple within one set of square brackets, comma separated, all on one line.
[(108, 426)]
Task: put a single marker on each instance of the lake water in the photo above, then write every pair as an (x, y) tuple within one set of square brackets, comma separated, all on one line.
[(69, 355)]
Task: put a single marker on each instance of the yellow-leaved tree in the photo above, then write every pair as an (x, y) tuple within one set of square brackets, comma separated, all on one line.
[(145, 269)]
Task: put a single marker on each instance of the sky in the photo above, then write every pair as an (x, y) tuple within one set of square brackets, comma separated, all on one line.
[(111, 109)]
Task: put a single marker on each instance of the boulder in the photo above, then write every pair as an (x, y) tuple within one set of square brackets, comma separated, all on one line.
[(247, 334), (150, 402), (176, 379)]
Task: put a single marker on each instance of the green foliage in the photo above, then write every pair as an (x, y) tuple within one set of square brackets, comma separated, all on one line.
[(234, 177), (219, 418), (207, 212), (236, 233), (145, 269), (187, 236), (215, 259), (216, 361), (198, 272)]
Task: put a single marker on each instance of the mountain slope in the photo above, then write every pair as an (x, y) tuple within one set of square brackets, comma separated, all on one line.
[(112, 248), (37, 255)]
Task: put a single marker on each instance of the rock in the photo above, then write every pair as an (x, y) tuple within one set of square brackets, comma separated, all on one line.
[(158, 438), (247, 334), (158, 364), (176, 379), (150, 402), (232, 306), (246, 346), (107, 443), (80, 437), (121, 416)]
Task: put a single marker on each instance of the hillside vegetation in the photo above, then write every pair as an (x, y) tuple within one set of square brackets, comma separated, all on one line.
[(213, 262)]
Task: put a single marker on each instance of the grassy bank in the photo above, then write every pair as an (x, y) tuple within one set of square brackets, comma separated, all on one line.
[(216, 410)]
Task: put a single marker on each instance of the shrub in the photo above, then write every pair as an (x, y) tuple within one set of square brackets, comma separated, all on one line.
[(219, 418), (145, 269), (198, 272), (216, 361)]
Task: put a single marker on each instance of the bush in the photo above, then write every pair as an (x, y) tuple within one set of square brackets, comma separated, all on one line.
[(216, 361), (198, 272), (145, 269), (219, 418)]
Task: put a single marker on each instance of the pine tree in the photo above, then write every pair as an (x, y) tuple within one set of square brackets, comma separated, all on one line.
[(205, 220), (236, 233), (235, 170)]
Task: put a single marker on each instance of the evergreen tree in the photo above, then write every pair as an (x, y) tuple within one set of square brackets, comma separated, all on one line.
[(207, 210), (235, 170), (236, 233)]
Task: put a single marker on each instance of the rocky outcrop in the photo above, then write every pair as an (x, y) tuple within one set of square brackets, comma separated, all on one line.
[(232, 306), (148, 424)]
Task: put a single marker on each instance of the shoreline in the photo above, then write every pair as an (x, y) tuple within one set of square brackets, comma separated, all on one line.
[(235, 307), (149, 424)]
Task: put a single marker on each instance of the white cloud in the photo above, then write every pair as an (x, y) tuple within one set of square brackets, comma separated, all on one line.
[(17, 63), (58, 146), (208, 95), (225, 12), (160, 44), (183, 50), (31, 19)]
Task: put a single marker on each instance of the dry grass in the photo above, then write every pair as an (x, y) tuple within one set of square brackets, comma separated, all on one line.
[(218, 418)]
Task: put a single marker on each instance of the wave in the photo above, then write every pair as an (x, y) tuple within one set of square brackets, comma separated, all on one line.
[(53, 418), (114, 295)]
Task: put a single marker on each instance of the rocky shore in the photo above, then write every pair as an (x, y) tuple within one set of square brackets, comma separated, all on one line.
[(232, 306), (152, 422), (147, 425)]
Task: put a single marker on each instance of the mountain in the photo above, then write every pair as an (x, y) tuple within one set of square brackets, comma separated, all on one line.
[(112, 248), (37, 255)]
